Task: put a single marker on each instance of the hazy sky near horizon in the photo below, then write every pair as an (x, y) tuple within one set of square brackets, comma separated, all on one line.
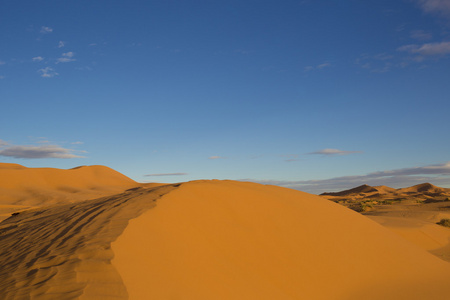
[(314, 95)]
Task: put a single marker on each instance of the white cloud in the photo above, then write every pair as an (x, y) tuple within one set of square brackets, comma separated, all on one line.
[(3, 143), (429, 49), (167, 174), (48, 72), (66, 57), (2, 62), (42, 151), (68, 54), (45, 29), (38, 58), (334, 152), (77, 143), (60, 44), (438, 174)]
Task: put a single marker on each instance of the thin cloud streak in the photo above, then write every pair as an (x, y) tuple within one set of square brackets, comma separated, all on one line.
[(166, 174), (439, 174), (429, 49), (329, 152), (34, 152)]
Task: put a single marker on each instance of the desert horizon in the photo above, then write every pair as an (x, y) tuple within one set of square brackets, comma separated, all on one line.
[(92, 233), (237, 149)]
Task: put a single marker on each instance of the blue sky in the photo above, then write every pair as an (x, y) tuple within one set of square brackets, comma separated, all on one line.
[(312, 95)]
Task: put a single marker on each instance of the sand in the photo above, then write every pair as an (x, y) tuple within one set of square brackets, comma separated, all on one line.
[(205, 240), (22, 188), (231, 240)]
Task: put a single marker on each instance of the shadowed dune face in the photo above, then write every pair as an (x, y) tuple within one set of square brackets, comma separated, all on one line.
[(231, 240), (63, 251)]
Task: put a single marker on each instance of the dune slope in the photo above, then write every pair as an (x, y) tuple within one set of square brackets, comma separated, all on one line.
[(232, 240), (63, 251)]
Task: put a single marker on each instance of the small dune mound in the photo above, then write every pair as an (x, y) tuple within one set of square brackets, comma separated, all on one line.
[(382, 189), (423, 188)]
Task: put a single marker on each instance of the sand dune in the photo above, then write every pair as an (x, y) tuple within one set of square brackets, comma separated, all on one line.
[(207, 240), (230, 240), (43, 186)]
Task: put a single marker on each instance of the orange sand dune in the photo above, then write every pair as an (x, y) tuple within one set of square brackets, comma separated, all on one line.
[(43, 186), (210, 240), (231, 240)]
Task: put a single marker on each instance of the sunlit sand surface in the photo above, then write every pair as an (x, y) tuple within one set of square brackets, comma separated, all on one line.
[(206, 240)]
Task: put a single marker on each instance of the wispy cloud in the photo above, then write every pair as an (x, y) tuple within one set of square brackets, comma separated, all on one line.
[(66, 57), (3, 143), (45, 29), (378, 63), (430, 49), (166, 174), (48, 72), (421, 35), (329, 152), (435, 6), (77, 143), (317, 67), (41, 151), (60, 44), (438, 174), (38, 58)]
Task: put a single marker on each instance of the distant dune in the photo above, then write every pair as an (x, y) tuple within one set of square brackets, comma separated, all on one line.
[(206, 240), (37, 186), (423, 188)]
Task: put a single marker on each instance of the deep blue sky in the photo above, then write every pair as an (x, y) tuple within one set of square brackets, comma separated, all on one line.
[(314, 95)]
